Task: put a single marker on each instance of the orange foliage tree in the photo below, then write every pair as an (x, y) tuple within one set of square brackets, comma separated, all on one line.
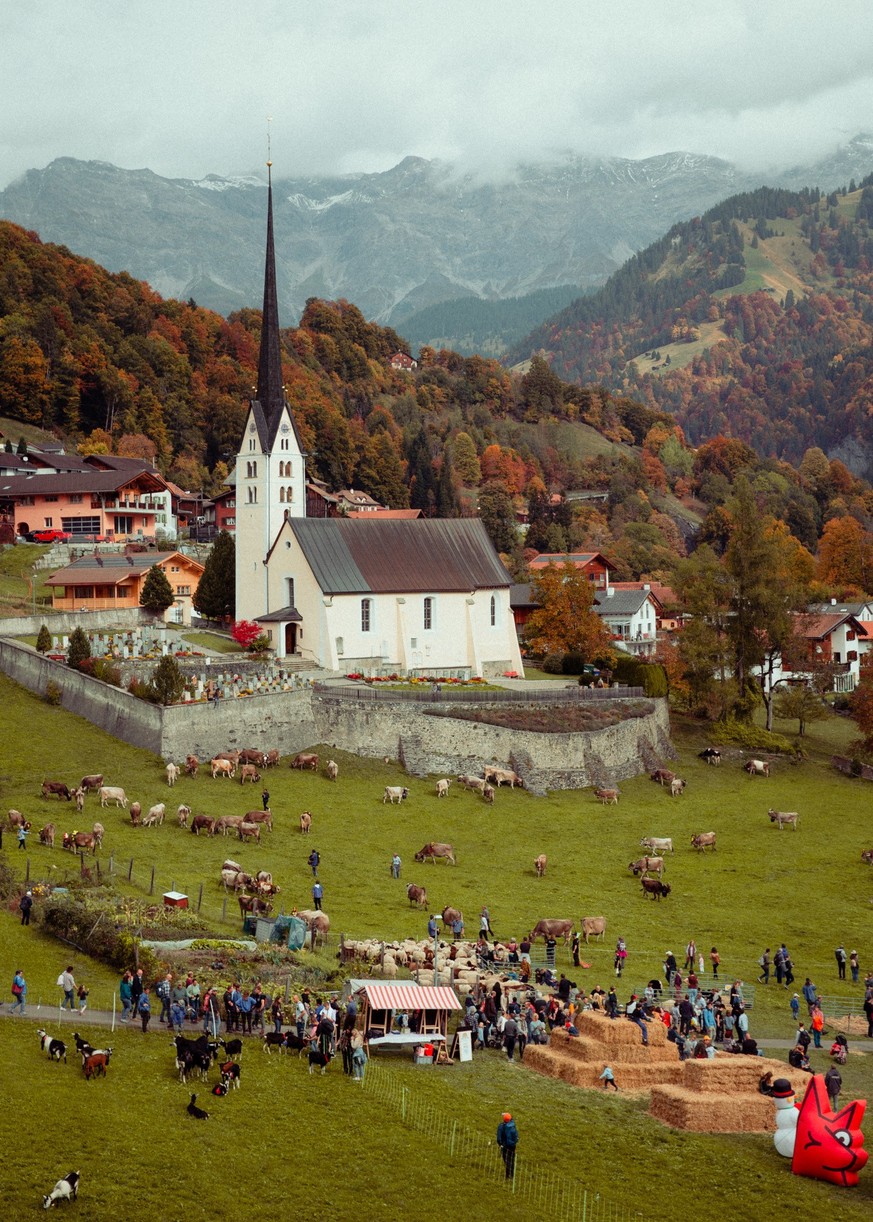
[(564, 620)]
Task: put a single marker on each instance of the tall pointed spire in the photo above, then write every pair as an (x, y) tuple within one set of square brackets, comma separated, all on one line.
[(270, 392)]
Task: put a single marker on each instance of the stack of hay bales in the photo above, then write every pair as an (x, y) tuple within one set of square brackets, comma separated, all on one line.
[(580, 1059), (722, 1096)]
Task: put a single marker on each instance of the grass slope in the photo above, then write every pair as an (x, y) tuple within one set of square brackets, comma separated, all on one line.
[(763, 886)]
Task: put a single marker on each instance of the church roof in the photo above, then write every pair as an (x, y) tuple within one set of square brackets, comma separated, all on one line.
[(348, 556)]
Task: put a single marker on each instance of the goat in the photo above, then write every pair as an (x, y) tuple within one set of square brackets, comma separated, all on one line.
[(64, 1190), (317, 1057), (230, 1073), (96, 1064), (220, 1088), (55, 1048), (233, 1048)]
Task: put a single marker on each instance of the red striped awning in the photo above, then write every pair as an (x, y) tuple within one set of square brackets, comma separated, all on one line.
[(410, 997)]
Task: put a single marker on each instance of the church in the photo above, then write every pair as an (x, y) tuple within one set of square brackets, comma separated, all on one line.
[(356, 594)]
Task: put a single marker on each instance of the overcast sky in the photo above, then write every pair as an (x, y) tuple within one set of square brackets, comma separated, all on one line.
[(184, 87)]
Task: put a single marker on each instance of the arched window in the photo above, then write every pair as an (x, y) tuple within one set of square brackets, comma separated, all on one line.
[(428, 614), (493, 610), (289, 494), (281, 496)]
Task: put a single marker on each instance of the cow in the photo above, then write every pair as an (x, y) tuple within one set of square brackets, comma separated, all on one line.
[(647, 865), (79, 841), (248, 772), (540, 865), (238, 879), (271, 759), (317, 922), (677, 786), (867, 856), (711, 755), (253, 756), (249, 831), (155, 815), (655, 844), (56, 789), (112, 793), (16, 819), (172, 773), (781, 817), (233, 756), (192, 764), (593, 927), (662, 775), (223, 767), (395, 793), (183, 814), (488, 794), (203, 823), (305, 822), (135, 813), (655, 888), (607, 795), (253, 904), (757, 767), (228, 823), (417, 895), (79, 799), (260, 816), (332, 770), (472, 782), (500, 775), (47, 835), (450, 915), (442, 787), (305, 759), (553, 928), (432, 850), (98, 831), (91, 782), (703, 841)]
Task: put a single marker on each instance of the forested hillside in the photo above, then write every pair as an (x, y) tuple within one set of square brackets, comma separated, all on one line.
[(755, 319)]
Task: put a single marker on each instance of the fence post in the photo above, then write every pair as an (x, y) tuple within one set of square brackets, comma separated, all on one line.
[(99, 877), (130, 870), (27, 872), (404, 1093), (224, 909), (200, 898), (452, 1140), (152, 883), (111, 864)]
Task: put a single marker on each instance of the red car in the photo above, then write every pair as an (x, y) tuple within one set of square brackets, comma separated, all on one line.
[(50, 536)]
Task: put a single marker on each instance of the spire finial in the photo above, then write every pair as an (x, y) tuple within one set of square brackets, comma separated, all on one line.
[(269, 146)]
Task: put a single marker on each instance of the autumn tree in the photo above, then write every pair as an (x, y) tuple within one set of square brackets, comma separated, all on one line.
[(215, 596), (466, 459), (845, 555), (157, 593), (799, 703), (564, 621), (704, 592)]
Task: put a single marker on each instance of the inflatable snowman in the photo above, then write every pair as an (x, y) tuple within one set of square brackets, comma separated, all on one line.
[(786, 1117)]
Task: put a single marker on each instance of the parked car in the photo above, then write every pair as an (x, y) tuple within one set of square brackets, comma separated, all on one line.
[(51, 535)]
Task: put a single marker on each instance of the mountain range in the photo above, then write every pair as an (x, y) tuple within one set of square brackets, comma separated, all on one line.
[(396, 243)]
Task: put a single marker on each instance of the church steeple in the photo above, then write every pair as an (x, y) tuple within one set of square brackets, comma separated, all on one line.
[(270, 393)]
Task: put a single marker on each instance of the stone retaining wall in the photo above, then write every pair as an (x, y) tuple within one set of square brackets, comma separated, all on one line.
[(294, 720), (62, 623)]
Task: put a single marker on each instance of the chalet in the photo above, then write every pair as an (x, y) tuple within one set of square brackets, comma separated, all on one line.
[(594, 565), (101, 582), (835, 644), (631, 617), (403, 362)]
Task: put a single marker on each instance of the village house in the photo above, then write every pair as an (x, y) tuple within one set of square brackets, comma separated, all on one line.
[(110, 581), (835, 641), (594, 565)]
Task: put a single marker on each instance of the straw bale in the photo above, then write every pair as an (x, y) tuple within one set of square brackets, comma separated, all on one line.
[(615, 1032), (852, 1024), (712, 1113), (733, 1073)]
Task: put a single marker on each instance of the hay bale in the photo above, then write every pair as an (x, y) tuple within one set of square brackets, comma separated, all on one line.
[(712, 1112), (734, 1073), (852, 1024), (617, 1032)]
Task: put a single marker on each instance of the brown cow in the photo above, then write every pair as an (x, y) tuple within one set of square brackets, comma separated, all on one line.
[(655, 888), (192, 763), (867, 856), (271, 759), (91, 782), (540, 865), (316, 921), (432, 851), (253, 903), (781, 817), (757, 767), (135, 813), (228, 823), (249, 831), (253, 756), (47, 835), (305, 822), (79, 841), (16, 819), (593, 927), (553, 928), (203, 823), (305, 759), (450, 915), (260, 816), (222, 767), (417, 895), (647, 865), (183, 814), (56, 789), (98, 832), (663, 776), (248, 772), (703, 841)]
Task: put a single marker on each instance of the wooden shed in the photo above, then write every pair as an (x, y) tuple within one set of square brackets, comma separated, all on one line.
[(426, 1008)]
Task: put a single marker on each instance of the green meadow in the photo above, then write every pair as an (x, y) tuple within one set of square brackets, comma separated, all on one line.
[(265, 1146)]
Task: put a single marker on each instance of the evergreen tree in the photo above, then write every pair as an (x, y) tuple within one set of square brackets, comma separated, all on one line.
[(421, 478), (22, 446), (157, 593), (44, 640), (498, 515), (167, 682), (466, 459), (215, 596), (447, 503), (78, 650)]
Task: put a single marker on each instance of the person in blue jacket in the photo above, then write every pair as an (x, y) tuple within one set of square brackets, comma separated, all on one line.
[(507, 1140)]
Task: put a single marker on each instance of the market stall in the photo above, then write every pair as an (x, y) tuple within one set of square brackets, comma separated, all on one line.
[(399, 1013)]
